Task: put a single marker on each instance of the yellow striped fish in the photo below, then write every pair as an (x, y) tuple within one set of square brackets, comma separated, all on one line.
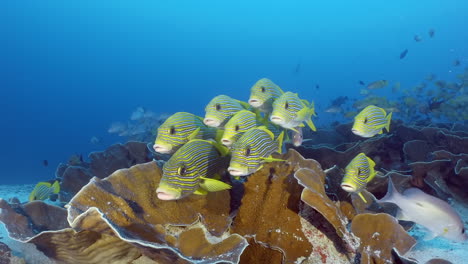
[(221, 108), (44, 190), (263, 93), (191, 170), (359, 172), (252, 149), (179, 129), (371, 121), (289, 111), (240, 123)]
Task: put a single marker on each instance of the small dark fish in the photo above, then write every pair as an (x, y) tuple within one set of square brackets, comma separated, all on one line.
[(339, 101), (361, 83), (403, 54), (45, 162), (417, 38), (456, 63), (317, 86), (434, 104), (431, 32), (298, 68)]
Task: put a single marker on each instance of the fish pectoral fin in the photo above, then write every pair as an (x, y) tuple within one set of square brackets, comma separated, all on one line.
[(362, 197), (303, 113), (194, 134), (201, 191), (271, 159), (280, 142), (213, 185), (294, 129)]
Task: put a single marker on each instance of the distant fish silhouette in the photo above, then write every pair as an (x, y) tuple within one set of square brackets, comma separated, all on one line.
[(417, 38), (431, 33), (45, 162), (456, 62), (298, 68), (317, 86), (361, 83), (403, 54)]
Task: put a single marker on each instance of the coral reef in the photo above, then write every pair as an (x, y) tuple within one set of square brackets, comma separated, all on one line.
[(287, 212)]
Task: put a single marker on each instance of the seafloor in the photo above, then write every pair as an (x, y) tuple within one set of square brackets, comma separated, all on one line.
[(287, 212)]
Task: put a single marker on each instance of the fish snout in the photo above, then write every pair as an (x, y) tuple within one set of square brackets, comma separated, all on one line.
[(166, 195), (255, 102), (162, 149), (276, 120), (226, 142), (211, 122), (237, 172), (348, 187)]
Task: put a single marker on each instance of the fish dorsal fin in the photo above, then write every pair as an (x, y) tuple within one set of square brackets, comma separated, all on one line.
[(194, 134), (213, 185), (264, 128)]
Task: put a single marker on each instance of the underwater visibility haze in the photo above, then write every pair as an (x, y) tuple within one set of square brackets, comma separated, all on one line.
[(368, 109)]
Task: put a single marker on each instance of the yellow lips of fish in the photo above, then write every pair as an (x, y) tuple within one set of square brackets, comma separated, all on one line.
[(252, 149), (191, 170), (371, 121), (179, 129), (289, 112), (263, 93), (43, 190), (359, 172), (220, 109)]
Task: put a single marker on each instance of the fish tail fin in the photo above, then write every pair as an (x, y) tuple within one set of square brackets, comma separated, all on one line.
[(56, 187), (389, 119)]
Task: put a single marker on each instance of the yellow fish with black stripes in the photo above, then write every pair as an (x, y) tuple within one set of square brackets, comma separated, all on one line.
[(194, 169), (359, 172), (221, 108), (371, 121), (243, 121), (179, 129), (263, 93), (289, 111), (252, 149), (45, 190)]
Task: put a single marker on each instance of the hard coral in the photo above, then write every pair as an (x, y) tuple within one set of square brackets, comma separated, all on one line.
[(125, 205), (379, 234)]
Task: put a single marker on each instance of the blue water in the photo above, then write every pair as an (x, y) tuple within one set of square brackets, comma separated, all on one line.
[(70, 69)]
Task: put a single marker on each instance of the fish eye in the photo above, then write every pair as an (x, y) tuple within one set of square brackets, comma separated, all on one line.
[(263, 89), (181, 171), (247, 152), (365, 120), (218, 107), (236, 128), (463, 230), (172, 130), (286, 105)]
